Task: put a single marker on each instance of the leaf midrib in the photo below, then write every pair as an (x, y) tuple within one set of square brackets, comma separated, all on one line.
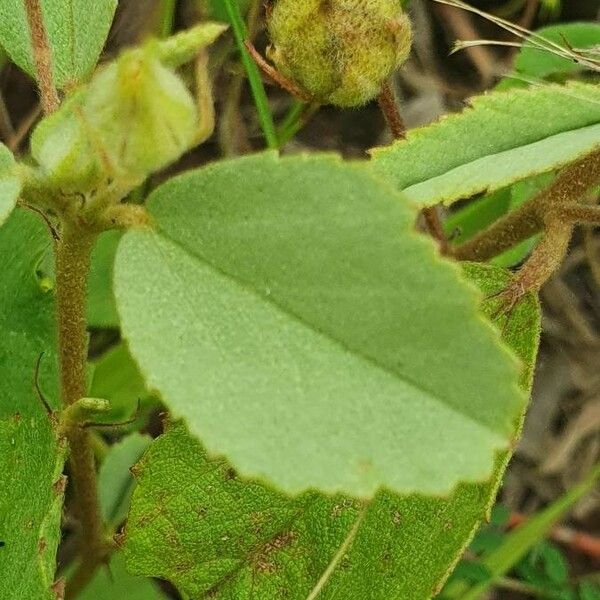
[(247, 287)]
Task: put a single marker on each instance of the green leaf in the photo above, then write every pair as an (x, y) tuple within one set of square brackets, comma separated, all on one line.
[(117, 379), (76, 30), (288, 310), (31, 457), (115, 482), (532, 64), (192, 521), (10, 185), (114, 583), (499, 140), (522, 539), (555, 564)]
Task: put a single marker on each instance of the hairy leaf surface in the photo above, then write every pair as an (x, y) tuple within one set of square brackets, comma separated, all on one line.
[(288, 310), (10, 185), (496, 141), (77, 30), (195, 523), (31, 458)]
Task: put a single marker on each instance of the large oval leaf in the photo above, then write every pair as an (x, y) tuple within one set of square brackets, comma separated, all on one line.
[(76, 30), (289, 311), (501, 138), (193, 522)]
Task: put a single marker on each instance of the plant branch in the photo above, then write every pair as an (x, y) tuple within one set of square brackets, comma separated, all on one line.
[(389, 107), (568, 188), (503, 234), (72, 254), (42, 56)]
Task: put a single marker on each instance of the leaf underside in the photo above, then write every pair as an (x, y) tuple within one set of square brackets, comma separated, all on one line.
[(497, 141), (309, 335)]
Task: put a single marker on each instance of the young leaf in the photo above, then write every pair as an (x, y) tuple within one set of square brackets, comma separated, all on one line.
[(76, 31), (288, 310), (10, 185), (31, 457), (502, 138), (115, 482), (117, 379), (193, 522), (114, 583)]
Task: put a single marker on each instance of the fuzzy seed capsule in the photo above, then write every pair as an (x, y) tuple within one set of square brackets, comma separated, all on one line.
[(339, 52)]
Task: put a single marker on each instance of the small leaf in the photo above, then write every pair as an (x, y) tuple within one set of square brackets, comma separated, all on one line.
[(555, 564), (115, 583), (117, 378), (502, 138), (287, 309), (10, 185), (76, 30), (196, 524), (115, 482), (31, 457)]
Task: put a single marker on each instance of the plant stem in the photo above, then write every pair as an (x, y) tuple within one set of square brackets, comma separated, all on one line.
[(389, 107), (72, 254), (531, 218), (506, 232), (42, 55), (166, 17), (254, 77)]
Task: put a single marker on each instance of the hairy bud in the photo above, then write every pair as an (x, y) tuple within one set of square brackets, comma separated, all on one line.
[(339, 51), (134, 117)]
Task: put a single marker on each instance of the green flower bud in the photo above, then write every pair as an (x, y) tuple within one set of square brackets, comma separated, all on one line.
[(134, 117), (339, 51)]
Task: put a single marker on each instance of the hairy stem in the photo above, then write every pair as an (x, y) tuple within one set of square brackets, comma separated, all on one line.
[(389, 107), (531, 218), (506, 232), (42, 56), (72, 254)]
